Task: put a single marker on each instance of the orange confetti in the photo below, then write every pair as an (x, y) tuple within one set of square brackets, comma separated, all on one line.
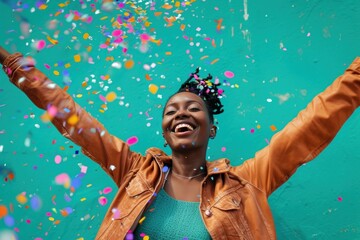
[(3, 211), (147, 77), (215, 61), (57, 222), (86, 36), (204, 57), (177, 4), (273, 128), (157, 14), (182, 27), (219, 22), (168, 53), (129, 64), (213, 43), (167, 6)]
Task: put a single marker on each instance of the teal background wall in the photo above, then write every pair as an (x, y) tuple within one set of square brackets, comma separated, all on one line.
[(282, 53)]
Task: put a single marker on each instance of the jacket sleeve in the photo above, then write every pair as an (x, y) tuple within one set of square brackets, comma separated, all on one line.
[(72, 121), (306, 135)]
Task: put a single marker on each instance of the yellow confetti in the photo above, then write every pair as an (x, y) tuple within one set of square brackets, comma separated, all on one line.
[(53, 41), (51, 219), (42, 6), (153, 88), (146, 237), (142, 220), (21, 198), (77, 58), (46, 117), (79, 95), (73, 119), (111, 96), (56, 73), (67, 65)]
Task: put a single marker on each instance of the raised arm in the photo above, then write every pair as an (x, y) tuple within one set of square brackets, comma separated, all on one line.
[(306, 135), (69, 118)]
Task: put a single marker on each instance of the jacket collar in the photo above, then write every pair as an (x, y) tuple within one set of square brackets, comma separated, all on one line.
[(215, 167)]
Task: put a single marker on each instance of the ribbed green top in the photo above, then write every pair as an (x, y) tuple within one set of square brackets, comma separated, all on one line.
[(168, 218)]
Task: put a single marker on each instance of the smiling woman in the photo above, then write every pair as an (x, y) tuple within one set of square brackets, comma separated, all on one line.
[(219, 201)]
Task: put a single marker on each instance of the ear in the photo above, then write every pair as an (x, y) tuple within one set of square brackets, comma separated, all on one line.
[(213, 131)]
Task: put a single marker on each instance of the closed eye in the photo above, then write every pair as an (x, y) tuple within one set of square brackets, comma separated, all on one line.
[(194, 109), (169, 113)]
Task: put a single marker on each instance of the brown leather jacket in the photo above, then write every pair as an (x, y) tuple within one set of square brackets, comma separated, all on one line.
[(233, 201)]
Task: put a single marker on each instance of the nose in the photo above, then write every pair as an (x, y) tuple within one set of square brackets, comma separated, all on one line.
[(181, 114)]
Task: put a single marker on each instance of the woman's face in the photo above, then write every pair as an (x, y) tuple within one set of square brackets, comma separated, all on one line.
[(186, 123)]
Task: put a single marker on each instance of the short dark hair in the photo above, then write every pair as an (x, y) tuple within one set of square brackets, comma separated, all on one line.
[(207, 90)]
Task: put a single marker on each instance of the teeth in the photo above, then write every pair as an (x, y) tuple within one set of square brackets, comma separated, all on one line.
[(182, 125)]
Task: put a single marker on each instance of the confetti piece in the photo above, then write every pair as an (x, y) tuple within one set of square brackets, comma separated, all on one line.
[(77, 58), (142, 220), (63, 179), (35, 203), (107, 190), (40, 45), (273, 128), (165, 169), (111, 96), (3, 211), (21, 198), (153, 88), (116, 65), (57, 159), (9, 221), (132, 140), (229, 74), (129, 64), (73, 119), (103, 200), (86, 36)]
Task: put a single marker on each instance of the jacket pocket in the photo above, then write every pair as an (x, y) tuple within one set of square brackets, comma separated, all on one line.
[(137, 192), (230, 215)]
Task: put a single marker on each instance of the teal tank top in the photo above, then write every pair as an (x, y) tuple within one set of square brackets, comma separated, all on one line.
[(168, 218)]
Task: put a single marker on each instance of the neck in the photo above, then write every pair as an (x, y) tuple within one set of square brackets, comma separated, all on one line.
[(188, 164)]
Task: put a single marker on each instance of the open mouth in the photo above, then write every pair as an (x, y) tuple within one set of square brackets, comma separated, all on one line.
[(183, 127)]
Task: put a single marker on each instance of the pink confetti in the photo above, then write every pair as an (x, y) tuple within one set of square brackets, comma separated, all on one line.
[(62, 178), (223, 149), (132, 140), (252, 130), (229, 74), (117, 33), (340, 199), (102, 200), (40, 45), (107, 190), (58, 159)]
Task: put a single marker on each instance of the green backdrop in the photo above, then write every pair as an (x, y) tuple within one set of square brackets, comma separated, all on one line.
[(280, 53)]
